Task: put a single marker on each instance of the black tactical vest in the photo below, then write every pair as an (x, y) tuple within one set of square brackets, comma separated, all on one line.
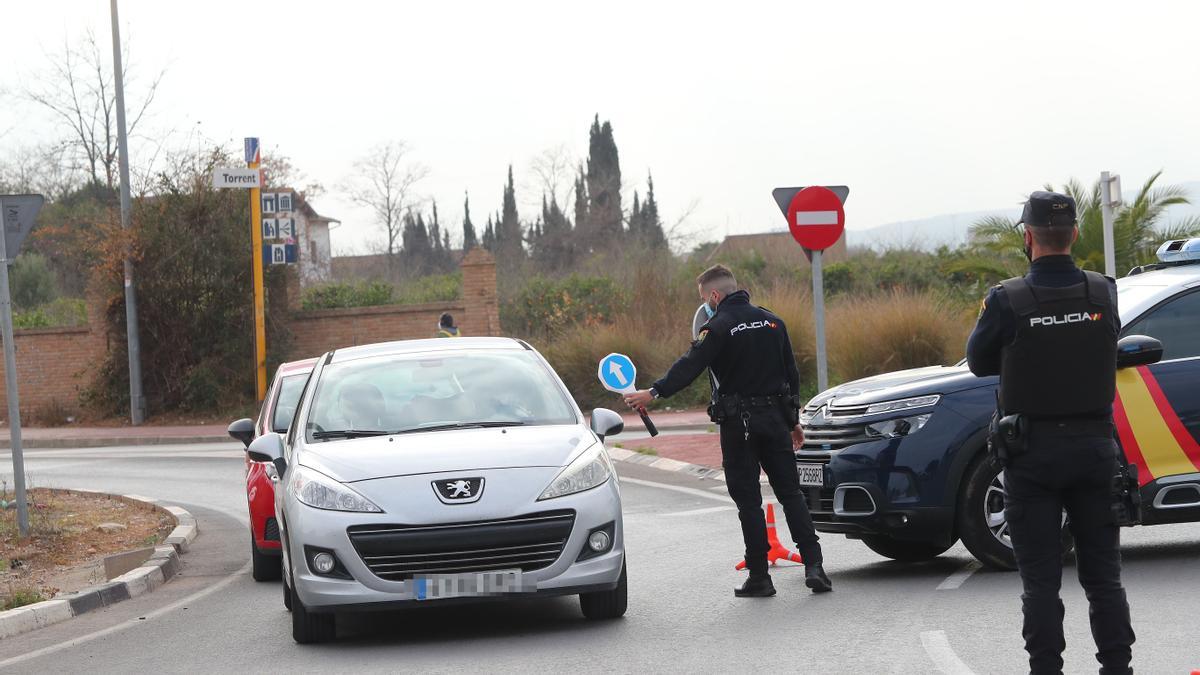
[(1063, 361)]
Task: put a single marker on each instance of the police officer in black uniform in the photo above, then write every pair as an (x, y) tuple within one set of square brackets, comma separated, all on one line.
[(1051, 336), (748, 350)]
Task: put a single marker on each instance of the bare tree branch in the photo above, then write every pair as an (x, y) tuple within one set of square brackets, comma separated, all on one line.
[(385, 181)]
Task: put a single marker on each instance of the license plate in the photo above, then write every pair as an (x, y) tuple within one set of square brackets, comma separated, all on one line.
[(470, 585), (812, 475)]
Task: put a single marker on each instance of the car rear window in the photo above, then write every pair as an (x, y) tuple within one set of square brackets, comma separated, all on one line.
[(408, 392)]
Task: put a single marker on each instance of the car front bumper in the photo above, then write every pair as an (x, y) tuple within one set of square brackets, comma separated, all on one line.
[(327, 530)]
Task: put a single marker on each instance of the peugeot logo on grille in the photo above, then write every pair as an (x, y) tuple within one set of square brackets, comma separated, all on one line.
[(458, 490)]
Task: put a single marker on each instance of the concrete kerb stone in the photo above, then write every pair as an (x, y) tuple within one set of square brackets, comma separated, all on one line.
[(666, 464), (159, 568)]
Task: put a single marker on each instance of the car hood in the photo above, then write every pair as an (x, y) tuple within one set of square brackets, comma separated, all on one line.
[(902, 384), (442, 451)]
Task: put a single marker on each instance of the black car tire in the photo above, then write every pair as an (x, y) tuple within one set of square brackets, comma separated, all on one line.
[(264, 567), (972, 523), (606, 604), (309, 627), (904, 551)]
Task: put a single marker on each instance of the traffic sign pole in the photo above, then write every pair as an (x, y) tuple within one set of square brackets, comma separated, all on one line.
[(10, 384), (819, 320), (260, 315)]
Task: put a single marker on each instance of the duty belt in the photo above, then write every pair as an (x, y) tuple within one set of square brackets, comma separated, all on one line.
[(1071, 426), (761, 401)]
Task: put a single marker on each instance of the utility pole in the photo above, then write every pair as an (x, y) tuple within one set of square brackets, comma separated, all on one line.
[(1107, 203), (137, 403)]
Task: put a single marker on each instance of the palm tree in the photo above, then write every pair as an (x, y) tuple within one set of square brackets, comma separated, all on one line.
[(1137, 228)]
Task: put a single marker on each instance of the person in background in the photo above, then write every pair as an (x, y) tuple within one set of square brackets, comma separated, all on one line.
[(446, 327)]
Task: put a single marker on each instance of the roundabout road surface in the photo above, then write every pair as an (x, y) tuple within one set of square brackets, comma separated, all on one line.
[(682, 539)]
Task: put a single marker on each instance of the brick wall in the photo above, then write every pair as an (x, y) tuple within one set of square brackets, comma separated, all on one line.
[(476, 313), (54, 365)]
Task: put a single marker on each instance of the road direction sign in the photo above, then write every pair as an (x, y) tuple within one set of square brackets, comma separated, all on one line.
[(18, 214), (237, 178), (270, 228), (816, 217), (270, 202), (287, 228), (617, 373), (285, 201), (252, 156), (279, 254)]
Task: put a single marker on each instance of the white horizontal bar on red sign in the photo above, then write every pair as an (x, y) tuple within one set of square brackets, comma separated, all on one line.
[(816, 218)]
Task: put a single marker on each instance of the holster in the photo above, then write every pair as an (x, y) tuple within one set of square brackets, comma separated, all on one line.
[(1127, 495), (1008, 438), (724, 408)]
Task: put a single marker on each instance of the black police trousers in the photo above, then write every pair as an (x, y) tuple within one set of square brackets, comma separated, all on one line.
[(768, 447), (1068, 471)]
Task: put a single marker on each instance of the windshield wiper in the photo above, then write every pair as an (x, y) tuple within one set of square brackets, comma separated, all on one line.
[(459, 425), (348, 433)]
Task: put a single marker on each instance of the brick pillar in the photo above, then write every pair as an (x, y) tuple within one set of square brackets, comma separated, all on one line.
[(481, 304)]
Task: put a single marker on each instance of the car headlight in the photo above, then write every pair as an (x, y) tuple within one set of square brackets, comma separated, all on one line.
[(901, 426), (586, 472), (903, 404), (321, 492)]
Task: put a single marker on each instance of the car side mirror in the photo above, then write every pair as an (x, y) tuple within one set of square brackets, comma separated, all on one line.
[(242, 430), (268, 448), (1138, 350), (606, 423)]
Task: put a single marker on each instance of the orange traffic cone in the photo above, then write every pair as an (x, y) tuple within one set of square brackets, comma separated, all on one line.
[(777, 551)]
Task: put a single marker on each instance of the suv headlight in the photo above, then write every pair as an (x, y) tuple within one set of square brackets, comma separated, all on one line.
[(322, 492), (588, 471), (901, 426), (903, 404)]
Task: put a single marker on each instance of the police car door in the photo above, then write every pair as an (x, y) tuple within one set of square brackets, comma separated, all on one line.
[(1157, 409)]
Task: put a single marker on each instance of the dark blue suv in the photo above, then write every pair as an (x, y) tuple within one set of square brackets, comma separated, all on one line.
[(898, 461)]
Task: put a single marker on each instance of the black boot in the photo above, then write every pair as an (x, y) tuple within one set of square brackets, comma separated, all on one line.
[(756, 587), (814, 578)]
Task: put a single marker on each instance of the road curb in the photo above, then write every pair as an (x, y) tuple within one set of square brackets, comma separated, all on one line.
[(666, 464), (110, 442), (162, 565)]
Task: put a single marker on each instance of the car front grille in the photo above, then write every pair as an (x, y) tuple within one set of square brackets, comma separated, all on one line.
[(833, 437), (399, 552)]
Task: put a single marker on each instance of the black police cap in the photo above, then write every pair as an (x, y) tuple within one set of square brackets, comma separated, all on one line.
[(1048, 208)]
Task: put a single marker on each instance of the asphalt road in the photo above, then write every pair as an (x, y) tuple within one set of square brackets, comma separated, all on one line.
[(682, 539)]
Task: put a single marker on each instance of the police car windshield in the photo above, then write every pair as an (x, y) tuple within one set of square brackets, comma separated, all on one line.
[(395, 394)]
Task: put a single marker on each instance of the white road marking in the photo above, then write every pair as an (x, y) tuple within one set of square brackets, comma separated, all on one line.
[(937, 646), (245, 569), (677, 488), (697, 512), (959, 577)]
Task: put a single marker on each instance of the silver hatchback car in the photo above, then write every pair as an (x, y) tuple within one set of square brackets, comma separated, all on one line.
[(434, 471)]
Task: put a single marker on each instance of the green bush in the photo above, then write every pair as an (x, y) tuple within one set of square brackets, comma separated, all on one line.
[(548, 306), (60, 312), (32, 281), (416, 291), (348, 294)]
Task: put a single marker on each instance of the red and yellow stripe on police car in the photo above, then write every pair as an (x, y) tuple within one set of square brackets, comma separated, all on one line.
[(1152, 435)]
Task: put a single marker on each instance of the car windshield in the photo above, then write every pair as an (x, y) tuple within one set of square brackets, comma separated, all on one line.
[(285, 404), (409, 393)]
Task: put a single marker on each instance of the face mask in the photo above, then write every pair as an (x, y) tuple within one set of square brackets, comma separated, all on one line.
[(709, 310)]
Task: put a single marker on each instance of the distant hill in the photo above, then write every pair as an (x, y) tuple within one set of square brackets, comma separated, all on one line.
[(951, 229)]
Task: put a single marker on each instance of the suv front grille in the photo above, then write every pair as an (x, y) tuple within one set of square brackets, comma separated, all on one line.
[(833, 437), (399, 552)]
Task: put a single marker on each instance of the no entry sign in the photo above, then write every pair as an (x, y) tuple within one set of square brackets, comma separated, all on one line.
[(816, 217)]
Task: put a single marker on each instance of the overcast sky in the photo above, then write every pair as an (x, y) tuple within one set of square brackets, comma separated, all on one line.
[(922, 108)]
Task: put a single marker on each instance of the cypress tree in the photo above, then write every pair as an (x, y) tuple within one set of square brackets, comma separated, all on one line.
[(489, 236), (604, 185), (469, 239), (651, 228), (508, 228), (581, 204)]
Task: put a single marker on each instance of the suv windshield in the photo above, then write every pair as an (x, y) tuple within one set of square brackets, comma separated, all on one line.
[(393, 394)]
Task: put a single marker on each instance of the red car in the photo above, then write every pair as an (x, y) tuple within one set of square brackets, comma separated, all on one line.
[(276, 415)]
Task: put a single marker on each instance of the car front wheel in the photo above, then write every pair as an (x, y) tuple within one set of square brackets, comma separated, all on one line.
[(606, 604), (982, 523), (309, 627)]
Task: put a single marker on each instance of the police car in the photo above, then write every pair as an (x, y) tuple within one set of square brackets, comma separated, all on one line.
[(898, 460)]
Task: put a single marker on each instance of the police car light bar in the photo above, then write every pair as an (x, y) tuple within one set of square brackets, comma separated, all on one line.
[(1179, 250)]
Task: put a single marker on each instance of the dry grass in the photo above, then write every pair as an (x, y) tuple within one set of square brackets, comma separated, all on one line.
[(890, 331)]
